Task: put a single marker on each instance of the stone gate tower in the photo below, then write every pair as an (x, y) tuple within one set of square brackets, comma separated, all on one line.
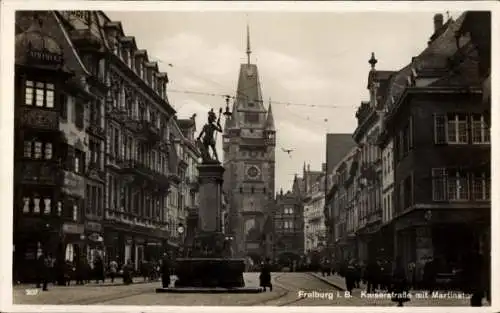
[(249, 161)]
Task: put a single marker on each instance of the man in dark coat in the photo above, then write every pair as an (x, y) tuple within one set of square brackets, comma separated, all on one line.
[(43, 268), (429, 276), (99, 269), (399, 283), (372, 275), (165, 271), (265, 275), (350, 275), (472, 279)]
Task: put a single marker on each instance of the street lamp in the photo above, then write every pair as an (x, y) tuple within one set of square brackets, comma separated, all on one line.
[(180, 229), (227, 113)]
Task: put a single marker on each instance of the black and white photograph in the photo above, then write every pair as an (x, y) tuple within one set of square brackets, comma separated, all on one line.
[(247, 157)]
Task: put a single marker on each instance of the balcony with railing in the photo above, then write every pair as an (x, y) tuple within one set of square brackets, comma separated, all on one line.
[(129, 218), (139, 171), (144, 130), (94, 128), (40, 172)]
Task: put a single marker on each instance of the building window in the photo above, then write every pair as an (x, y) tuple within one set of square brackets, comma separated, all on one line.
[(69, 252), (63, 106), (458, 186), (47, 205), (39, 94), (75, 212), (38, 150), (457, 128), (79, 114), (408, 192), (26, 204), (438, 184), (451, 128), (480, 130), (481, 185)]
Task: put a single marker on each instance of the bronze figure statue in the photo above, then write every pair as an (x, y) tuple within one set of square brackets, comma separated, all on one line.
[(209, 134)]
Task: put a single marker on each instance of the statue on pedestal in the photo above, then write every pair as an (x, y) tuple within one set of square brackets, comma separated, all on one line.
[(209, 135)]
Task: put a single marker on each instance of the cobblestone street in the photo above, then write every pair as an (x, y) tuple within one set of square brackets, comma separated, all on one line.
[(286, 292)]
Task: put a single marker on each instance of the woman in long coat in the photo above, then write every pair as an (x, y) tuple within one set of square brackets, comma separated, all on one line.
[(399, 284), (265, 276)]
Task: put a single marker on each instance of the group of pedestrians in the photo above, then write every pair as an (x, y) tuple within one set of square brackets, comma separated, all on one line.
[(49, 270), (399, 279)]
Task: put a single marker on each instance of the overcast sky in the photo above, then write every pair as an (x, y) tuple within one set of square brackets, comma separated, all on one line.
[(304, 58)]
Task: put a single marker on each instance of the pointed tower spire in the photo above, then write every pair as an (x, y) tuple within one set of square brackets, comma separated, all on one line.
[(248, 44), (270, 118)]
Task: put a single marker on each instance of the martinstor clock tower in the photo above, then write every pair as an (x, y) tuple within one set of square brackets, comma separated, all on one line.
[(249, 160)]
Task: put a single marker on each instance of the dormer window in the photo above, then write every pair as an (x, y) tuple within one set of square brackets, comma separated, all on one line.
[(153, 82), (141, 70), (126, 56)]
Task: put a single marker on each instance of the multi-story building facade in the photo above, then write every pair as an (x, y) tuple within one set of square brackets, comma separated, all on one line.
[(139, 145), (337, 147), (191, 188), (340, 202), (52, 87), (441, 152), (288, 228), (88, 42), (314, 217), (249, 162), (369, 198)]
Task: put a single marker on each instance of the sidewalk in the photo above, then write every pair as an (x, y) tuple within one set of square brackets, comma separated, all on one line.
[(446, 300), (118, 282)]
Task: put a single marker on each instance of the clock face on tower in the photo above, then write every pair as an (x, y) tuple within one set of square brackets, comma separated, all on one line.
[(253, 172)]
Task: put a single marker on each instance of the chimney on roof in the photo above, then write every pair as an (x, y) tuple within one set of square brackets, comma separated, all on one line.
[(438, 22), (308, 167), (323, 167)]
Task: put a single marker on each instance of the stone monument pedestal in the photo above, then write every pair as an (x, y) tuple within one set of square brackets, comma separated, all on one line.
[(210, 267)]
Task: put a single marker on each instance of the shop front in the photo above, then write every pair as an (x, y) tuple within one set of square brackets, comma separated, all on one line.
[(94, 242), (136, 245), (34, 237), (73, 243)]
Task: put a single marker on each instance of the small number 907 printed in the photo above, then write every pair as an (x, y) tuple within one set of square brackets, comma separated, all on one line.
[(31, 291)]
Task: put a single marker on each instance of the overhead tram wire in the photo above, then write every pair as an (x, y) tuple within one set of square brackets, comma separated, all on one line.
[(201, 93)]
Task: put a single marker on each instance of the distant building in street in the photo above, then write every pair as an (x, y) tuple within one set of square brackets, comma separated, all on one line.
[(249, 162), (192, 155), (337, 147), (288, 227), (340, 203), (314, 204), (369, 177)]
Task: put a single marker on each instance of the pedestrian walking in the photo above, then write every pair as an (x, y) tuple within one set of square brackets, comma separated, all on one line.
[(350, 275), (265, 275), (473, 280), (113, 269), (429, 275), (326, 267), (43, 268), (399, 284), (99, 269), (372, 276), (127, 273), (165, 271)]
